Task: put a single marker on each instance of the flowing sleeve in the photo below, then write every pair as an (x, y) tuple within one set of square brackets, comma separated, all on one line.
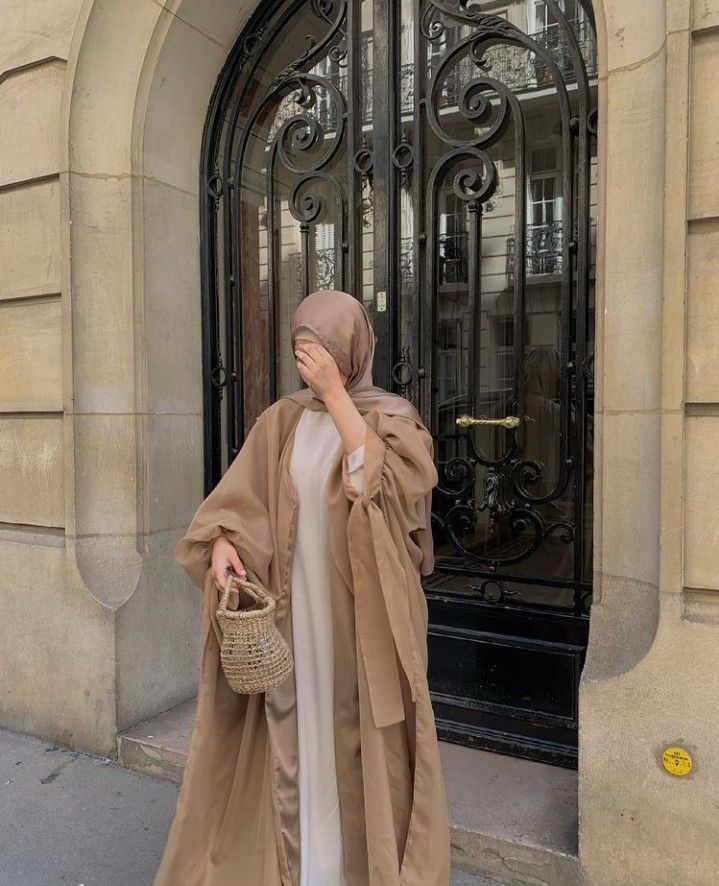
[(390, 546), (398, 466), (238, 508)]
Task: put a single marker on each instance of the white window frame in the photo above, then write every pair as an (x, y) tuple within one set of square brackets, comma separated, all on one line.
[(555, 174)]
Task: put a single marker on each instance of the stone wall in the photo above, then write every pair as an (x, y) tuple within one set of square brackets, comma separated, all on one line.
[(102, 108), (650, 680), (57, 642)]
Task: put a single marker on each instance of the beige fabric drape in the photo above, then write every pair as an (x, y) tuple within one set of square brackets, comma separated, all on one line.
[(237, 819)]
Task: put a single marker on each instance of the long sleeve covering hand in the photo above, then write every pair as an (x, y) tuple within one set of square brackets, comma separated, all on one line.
[(241, 508)]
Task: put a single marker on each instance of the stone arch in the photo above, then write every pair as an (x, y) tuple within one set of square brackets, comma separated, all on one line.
[(141, 75), (140, 79)]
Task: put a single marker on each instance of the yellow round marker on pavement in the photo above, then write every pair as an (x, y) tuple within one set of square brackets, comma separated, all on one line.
[(677, 761)]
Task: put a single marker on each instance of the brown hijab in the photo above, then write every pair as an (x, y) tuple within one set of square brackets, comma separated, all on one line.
[(342, 325), (237, 817)]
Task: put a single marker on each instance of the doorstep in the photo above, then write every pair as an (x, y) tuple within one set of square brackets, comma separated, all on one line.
[(514, 820)]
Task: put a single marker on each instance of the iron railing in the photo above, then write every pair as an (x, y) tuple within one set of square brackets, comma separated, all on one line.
[(323, 268), (543, 253), (518, 69)]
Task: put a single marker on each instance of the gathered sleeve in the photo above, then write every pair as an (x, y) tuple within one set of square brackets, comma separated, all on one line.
[(398, 467), (237, 508), (390, 545)]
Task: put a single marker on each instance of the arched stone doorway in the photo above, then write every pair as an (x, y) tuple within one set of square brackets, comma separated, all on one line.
[(439, 161), (133, 113)]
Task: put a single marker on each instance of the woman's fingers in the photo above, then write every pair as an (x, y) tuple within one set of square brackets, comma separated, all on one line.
[(218, 577), (313, 353), (236, 563), (317, 367), (320, 355), (219, 573), (303, 361), (307, 368)]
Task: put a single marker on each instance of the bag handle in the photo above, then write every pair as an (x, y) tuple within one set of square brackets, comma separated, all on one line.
[(257, 594)]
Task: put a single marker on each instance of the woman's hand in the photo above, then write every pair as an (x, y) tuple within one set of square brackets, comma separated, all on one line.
[(318, 368), (225, 557)]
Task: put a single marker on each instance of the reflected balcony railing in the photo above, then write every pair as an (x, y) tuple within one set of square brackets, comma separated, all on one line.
[(322, 269), (543, 253), (543, 256), (518, 69), (452, 264), (452, 268), (406, 260)]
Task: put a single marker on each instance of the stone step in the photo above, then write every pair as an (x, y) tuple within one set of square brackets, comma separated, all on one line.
[(159, 746), (514, 821)]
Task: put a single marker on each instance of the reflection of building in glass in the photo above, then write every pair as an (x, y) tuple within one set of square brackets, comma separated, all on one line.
[(530, 77)]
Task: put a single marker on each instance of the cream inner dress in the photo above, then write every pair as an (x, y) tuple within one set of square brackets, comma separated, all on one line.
[(315, 447)]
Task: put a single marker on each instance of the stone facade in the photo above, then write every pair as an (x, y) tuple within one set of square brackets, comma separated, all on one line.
[(102, 107)]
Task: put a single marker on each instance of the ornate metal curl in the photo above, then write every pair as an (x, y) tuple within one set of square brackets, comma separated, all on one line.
[(527, 471), (302, 132), (473, 104), (315, 47), (431, 27), (306, 207), (468, 184), (462, 518)]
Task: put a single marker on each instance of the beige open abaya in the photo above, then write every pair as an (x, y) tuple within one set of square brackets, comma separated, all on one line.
[(237, 819)]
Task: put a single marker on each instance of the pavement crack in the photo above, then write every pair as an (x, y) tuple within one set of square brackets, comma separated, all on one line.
[(58, 769)]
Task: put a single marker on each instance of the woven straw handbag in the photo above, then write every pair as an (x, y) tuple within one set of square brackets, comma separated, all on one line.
[(254, 655)]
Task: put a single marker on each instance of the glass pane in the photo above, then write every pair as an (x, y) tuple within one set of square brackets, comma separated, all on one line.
[(366, 147), (495, 188), (300, 149), (505, 297)]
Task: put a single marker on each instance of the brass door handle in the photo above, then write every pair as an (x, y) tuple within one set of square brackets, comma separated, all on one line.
[(509, 421)]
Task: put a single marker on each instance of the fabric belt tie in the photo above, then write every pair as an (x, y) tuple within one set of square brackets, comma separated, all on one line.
[(382, 612)]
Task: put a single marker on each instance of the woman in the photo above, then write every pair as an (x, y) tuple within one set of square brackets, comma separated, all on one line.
[(333, 777)]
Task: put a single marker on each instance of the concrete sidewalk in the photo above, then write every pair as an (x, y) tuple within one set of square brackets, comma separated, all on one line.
[(76, 820)]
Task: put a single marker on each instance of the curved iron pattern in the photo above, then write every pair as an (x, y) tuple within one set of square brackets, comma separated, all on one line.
[(492, 106), (403, 372), (296, 138), (306, 148), (295, 145)]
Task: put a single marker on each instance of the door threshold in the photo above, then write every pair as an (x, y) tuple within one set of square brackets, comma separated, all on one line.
[(514, 820)]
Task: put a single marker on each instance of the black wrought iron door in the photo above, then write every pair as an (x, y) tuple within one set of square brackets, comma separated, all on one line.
[(435, 158)]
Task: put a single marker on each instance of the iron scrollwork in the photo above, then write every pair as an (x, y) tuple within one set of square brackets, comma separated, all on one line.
[(488, 99), (325, 149), (394, 152), (403, 372)]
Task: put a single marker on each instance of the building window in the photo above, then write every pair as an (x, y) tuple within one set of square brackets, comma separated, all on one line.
[(544, 211), (449, 344), (504, 352)]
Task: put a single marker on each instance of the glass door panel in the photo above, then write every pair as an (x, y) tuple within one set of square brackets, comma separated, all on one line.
[(437, 159)]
